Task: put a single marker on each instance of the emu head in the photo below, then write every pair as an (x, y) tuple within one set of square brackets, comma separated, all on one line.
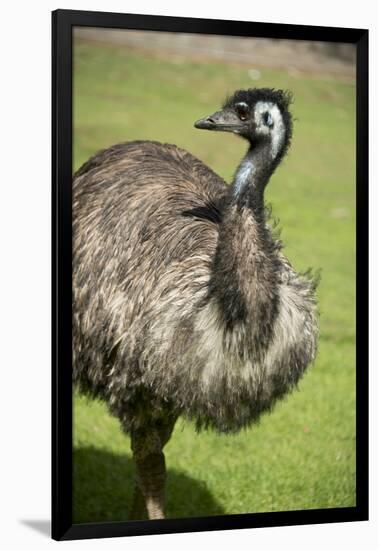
[(260, 115)]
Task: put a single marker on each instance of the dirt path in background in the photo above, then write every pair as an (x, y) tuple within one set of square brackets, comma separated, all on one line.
[(294, 56)]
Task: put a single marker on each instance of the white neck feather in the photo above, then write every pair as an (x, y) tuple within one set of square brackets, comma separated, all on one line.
[(278, 128)]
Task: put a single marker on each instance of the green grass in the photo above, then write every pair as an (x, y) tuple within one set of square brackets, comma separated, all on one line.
[(303, 454)]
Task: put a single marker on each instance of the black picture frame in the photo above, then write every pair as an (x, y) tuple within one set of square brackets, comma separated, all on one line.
[(62, 23)]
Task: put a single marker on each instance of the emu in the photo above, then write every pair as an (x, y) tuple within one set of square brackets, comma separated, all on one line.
[(184, 303)]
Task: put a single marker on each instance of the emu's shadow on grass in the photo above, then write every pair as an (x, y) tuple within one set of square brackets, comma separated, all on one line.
[(103, 487)]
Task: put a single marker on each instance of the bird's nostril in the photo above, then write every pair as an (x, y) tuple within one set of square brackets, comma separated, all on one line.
[(210, 119)]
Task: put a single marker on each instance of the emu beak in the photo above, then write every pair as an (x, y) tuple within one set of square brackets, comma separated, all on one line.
[(204, 123), (225, 120)]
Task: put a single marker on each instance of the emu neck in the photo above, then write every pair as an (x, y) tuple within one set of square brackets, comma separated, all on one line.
[(246, 267), (252, 176)]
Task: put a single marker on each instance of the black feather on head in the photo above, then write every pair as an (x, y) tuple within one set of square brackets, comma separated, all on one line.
[(282, 98)]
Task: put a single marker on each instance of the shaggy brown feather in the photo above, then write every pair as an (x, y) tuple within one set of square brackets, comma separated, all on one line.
[(156, 289)]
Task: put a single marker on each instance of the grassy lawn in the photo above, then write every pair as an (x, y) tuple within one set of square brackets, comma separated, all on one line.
[(303, 454)]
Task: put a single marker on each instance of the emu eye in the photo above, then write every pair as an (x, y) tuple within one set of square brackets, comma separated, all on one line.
[(267, 119), (242, 110)]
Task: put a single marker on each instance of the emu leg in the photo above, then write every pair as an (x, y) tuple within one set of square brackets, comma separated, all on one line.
[(147, 446), (138, 506)]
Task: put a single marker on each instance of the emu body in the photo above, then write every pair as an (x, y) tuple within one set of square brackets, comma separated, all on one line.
[(183, 301)]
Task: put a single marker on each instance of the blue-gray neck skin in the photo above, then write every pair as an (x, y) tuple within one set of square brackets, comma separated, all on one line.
[(252, 176)]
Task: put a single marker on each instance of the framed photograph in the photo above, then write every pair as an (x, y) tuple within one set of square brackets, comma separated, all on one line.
[(210, 246)]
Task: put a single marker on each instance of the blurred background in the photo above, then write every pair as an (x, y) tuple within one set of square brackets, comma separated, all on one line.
[(148, 85)]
